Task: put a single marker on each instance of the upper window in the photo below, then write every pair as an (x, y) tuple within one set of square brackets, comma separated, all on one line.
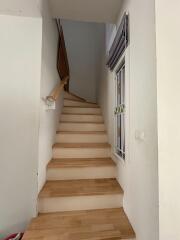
[(120, 43)]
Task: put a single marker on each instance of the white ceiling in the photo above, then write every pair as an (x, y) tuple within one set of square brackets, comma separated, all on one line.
[(86, 10)]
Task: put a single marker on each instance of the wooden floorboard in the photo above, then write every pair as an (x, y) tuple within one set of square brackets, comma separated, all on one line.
[(90, 187), (103, 224)]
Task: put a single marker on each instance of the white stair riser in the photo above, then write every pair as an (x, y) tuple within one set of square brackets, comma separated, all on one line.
[(79, 203), (81, 118), (81, 127), (81, 173), (81, 110), (81, 152), (81, 138), (71, 103)]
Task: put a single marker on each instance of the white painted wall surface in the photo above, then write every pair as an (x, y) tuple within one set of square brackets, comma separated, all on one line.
[(20, 63), (28, 8), (84, 49), (139, 174), (49, 79), (168, 89)]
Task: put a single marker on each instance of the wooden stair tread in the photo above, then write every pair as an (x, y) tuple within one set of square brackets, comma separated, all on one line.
[(80, 132), (82, 107), (90, 187), (81, 163), (76, 122), (81, 145), (74, 95), (80, 101), (103, 224), (84, 114)]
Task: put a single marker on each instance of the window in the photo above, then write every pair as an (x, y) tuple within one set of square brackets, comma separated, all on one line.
[(120, 111), (120, 43)]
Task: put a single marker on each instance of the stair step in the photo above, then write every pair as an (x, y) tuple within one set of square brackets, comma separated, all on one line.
[(102, 224), (79, 137), (71, 96), (83, 194), (81, 150), (81, 118), (81, 122), (79, 100), (80, 163), (82, 110), (75, 126), (83, 187), (71, 169), (82, 133), (82, 145), (73, 103), (81, 114), (94, 106)]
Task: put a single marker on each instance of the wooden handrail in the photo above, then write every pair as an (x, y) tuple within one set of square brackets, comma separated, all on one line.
[(57, 90), (62, 58)]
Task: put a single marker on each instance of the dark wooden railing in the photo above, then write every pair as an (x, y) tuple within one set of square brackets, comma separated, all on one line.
[(63, 69), (62, 59)]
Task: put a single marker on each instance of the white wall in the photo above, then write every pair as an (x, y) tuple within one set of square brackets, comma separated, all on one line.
[(83, 42), (21, 7), (20, 61), (139, 174), (28, 49), (168, 82), (49, 79)]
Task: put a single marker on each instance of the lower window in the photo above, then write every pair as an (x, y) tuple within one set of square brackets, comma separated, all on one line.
[(120, 111)]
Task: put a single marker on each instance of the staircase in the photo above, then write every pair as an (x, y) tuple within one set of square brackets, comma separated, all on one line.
[(81, 199)]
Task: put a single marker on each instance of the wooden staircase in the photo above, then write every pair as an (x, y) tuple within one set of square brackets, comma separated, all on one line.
[(81, 199)]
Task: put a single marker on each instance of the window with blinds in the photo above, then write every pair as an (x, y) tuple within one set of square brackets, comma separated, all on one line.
[(120, 43)]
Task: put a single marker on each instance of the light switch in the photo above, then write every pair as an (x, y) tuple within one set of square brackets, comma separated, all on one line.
[(49, 105)]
